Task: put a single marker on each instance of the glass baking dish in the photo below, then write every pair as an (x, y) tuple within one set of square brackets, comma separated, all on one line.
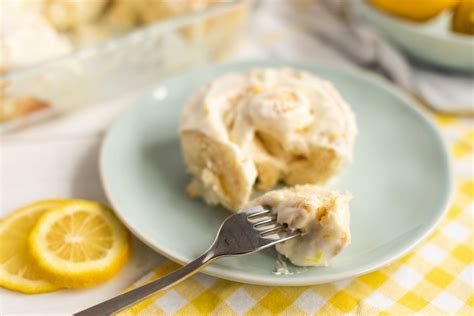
[(105, 70)]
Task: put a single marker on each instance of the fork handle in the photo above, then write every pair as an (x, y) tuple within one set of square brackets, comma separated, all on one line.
[(124, 300)]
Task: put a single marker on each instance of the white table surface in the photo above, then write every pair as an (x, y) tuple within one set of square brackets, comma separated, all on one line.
[(58, 159)]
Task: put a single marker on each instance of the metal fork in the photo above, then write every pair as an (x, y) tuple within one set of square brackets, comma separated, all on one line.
[(240, 234)]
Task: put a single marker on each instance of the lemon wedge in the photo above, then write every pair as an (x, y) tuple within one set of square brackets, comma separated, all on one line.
[(17, 270), (79, 243)]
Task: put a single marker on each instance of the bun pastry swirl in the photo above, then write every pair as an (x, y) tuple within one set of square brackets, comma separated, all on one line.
[(322, 215), (252, 130)]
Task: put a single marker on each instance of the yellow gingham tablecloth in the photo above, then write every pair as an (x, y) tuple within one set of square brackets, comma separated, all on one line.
[(436, 278)]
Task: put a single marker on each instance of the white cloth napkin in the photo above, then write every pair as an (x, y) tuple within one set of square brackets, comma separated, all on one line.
[(327, 31)]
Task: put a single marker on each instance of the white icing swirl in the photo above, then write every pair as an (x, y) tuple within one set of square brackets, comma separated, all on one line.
[(297, 109), (323, 215)]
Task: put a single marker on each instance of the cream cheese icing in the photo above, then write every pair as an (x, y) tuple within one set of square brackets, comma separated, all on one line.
[(323, 215), (27, 36), (279, 123), (295, 106)]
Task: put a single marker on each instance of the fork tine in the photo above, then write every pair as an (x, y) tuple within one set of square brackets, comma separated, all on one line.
[(290, 235), (281, 237), (266, 221), (272, 229), (252, 214)]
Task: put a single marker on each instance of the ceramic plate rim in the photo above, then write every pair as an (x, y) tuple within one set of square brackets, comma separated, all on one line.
[(310, 280)]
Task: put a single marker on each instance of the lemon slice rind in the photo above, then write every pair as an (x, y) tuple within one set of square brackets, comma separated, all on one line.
[(70, 273), (17, 240)]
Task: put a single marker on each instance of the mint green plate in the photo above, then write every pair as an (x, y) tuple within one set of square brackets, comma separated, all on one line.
[(400, 179), (431, 41)]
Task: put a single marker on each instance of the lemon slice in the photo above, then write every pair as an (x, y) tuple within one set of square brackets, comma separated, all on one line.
[(17, 269), (79, 243)]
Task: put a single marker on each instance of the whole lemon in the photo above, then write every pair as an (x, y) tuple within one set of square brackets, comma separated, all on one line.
[(415, 10), (463, 17)]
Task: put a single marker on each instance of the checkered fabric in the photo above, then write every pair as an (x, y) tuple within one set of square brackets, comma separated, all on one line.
[(436, 278)]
